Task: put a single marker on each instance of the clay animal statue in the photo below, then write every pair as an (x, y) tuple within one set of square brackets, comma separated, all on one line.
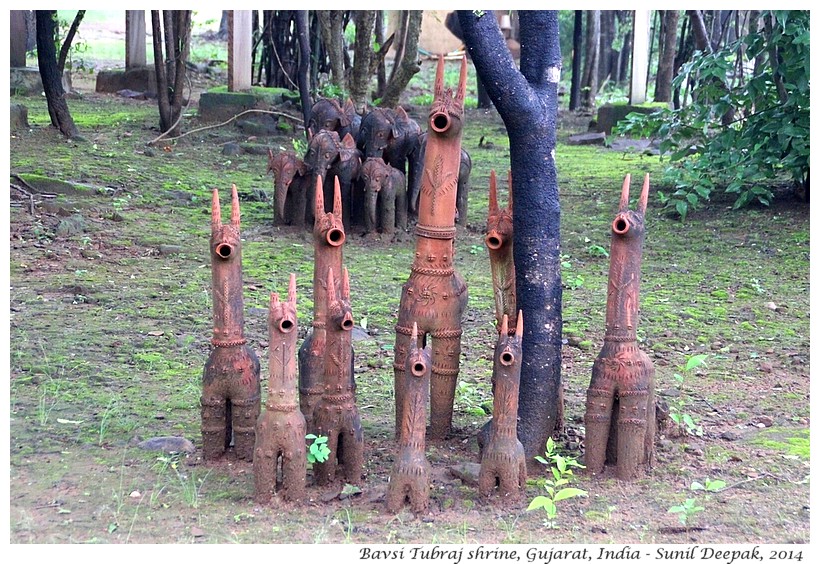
[(328, 238), (435, 295), (499, 240), (462, 193), (503, 463), (620, 409), (336, 415), (230, 381), (328, 114), (291, 187), (346, 169), (385, 197), (391, 135), (323, 151), (410, 476), (281, 428)]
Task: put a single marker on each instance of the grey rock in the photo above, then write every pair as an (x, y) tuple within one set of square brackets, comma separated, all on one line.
[(731, 435), (587, 139), (467, 472), (168, 445), (231, 149), (168, 250), (70, 226)]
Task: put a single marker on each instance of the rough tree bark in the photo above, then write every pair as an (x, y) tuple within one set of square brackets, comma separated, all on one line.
[(303, 73), (170, 64), (409, 65), (381, 71), (528, 103), (50, 75), (330, 23), (363, 54), (66, 47), (666, 63), (589, 81), (577, 48)]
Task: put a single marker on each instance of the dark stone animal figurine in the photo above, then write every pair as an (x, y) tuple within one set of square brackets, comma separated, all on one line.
[(620, 409), (281, 428), (385, 197), (291, 187), (230, 381)]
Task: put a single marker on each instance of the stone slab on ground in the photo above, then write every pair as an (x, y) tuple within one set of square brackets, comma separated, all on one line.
[(610, 114), (26, 80), (18, 117), (137, 79), (592, 138)]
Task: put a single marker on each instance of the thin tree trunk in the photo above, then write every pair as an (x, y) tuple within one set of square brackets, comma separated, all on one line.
[(363, 52), (50, 75), (590, 80), (528, 103), (381, 71), (666, 60), (66, 47), (577, 47), (409, 64), (304, 64), (401, 36), (330, 22), (170, 86)]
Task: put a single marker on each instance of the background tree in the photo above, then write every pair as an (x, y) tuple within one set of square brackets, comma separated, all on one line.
[(407, 66), (51, 72), (527, 101), (589, 82), (666, 56), (577, 54), (173, 29)]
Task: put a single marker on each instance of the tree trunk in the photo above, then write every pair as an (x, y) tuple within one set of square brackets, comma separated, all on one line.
[(170, 85), (66, 47), (50, 75), (589, 83), (626, 51), (577, 47), (666, 59), (304, 64), (381, 71), (528, 103), (330, 22), (223, 26), (363, 53), (409, 64), (605, 49)]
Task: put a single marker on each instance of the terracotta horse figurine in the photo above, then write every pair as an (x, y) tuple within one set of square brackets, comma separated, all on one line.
[(435, 295), (620, 410)]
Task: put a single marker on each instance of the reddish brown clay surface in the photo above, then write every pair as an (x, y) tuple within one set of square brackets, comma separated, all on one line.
[(280, 429), (503, 463), (328, 238), (499, 241), (290, 188), (410, 477), (230, 381), (336, 416), (620, 412), (435, 295)]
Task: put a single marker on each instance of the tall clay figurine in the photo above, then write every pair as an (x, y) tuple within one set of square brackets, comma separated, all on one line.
[(230, 381), (502, 459), (435, 295), (410, 477), (280, 429), (336, 416), (620, 411), (499, 241), (328, 238)]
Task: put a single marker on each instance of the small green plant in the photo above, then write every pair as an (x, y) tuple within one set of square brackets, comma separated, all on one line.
[(105, 421), (318, 450), (685, 421), (708, 486), (686, 510), (299, 145), (557, 490)]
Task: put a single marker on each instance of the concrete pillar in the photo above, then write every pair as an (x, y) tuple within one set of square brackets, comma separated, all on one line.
[(19, 33), (239, 50), (135, 39), (640, 57)]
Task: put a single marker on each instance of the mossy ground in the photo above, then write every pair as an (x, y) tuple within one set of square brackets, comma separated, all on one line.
[(109, 334)]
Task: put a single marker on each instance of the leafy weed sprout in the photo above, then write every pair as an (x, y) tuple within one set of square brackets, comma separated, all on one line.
[(685, 421), (557, 490), (318, 450)]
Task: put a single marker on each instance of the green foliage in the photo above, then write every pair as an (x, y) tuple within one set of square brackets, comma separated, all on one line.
[(684, 420), (318, 450), (742, 137), (557, 488), (686, 510)]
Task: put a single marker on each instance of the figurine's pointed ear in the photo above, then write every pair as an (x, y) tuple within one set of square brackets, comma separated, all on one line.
[(505, 325), (216, 213), (292, 289), (462, 81), (519, 327), (337, 198), (510, 191), (414, 337), (438, 88), (274, 301), (345, 284), (624, 205), (493, 207), (234, 206), (644, 195), (310, 134), (319, 200)]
